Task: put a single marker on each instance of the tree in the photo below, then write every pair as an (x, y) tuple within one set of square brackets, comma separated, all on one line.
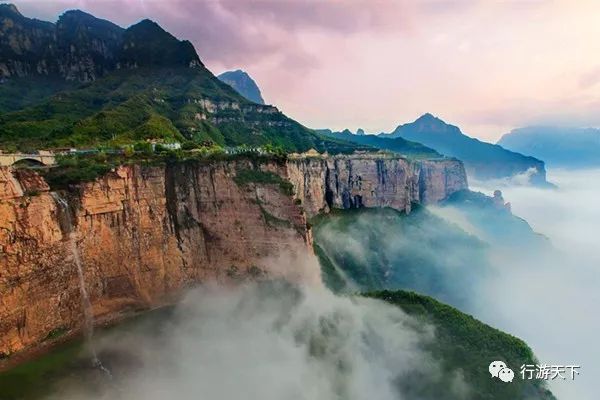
[(128, 151), (189, 145), (143, 147)]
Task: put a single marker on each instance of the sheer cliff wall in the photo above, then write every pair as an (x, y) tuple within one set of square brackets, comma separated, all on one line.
[(372, 180), (145, 234)]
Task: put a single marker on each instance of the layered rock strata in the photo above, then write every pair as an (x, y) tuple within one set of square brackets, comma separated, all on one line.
[(146, 233)]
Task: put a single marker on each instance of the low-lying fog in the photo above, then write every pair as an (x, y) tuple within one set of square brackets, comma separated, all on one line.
[(270, 341), (553, 306), (546, 292), (298, 344)]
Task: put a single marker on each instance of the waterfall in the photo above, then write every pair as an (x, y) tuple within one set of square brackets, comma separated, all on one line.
[(86, 305)]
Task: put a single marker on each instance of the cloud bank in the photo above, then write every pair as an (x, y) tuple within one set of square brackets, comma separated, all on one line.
[(550, 300), (267, 341), (542, 290)]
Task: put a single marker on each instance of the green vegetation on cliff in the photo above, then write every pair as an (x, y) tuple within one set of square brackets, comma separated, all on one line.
[(255, 175), (74, 170), (372, 249), (87, 166), (445, 252), (397, 145), (172, 104), (144, 84), (464, 343)]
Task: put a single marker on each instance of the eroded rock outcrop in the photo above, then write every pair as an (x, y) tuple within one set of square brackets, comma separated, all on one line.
[(145, 233), (370, 180)]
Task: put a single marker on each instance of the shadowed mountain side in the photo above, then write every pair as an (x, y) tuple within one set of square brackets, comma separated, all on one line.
[(491, 219), (482, 160), (87, 82), (78, 47), (442, 251), (398, 145), (465, 341), (559, 147), (166, 103), (243, 84), (386, 249)]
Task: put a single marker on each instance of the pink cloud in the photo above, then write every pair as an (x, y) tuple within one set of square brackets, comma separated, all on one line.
[(377, 63), (242, 32)]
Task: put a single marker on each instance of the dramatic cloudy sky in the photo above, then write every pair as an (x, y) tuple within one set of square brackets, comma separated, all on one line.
[(487, 65)]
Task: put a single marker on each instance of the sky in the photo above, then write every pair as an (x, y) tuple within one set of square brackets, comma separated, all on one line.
[(487, 66)]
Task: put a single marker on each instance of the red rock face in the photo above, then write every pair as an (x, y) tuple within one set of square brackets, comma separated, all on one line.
[(145, 234)]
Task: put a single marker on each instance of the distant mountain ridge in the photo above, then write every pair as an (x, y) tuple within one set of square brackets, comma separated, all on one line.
[(398, 145), (87, 82), (243, 84), (558, 146), (482, 160)]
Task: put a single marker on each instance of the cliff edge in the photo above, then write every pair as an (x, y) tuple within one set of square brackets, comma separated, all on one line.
[(146, 233)]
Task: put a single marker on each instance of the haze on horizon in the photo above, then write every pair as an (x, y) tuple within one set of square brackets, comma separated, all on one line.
[(485, 66)]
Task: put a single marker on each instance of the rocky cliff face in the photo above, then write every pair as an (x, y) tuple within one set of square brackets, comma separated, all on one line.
[(144, 234), (373, 181)]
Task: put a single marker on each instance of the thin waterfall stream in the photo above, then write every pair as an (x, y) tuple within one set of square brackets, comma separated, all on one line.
[(86, 305)]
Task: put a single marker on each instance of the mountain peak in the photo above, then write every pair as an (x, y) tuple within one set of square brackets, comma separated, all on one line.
[(76, 22), (9, 8), (428, 118), (243, 84), (430, 123), (147, 43), (76, 14), (147, 22), (482, 160), (150, 28)]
